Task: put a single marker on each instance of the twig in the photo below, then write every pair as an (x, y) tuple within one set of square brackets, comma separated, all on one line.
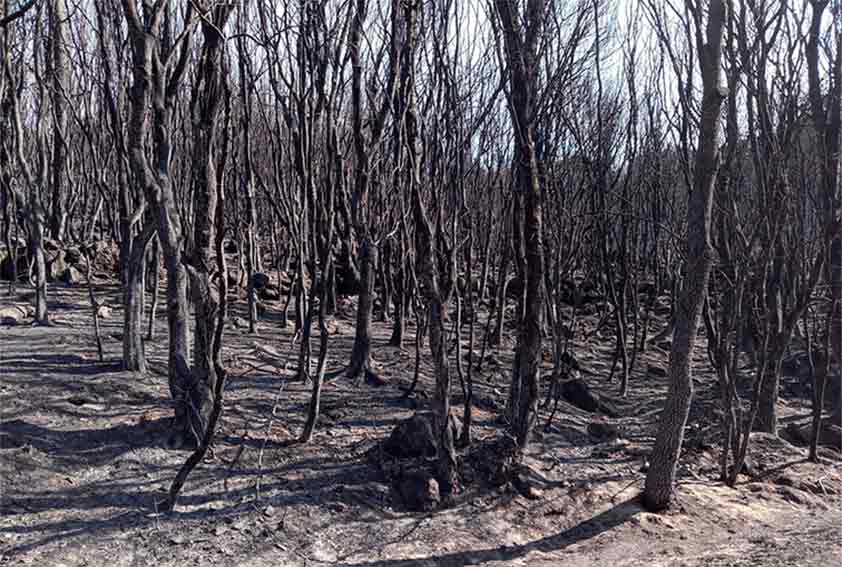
[(626, 487)]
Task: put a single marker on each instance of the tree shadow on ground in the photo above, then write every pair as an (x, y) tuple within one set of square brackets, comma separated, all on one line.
[(85, 447), (584, 530), (72, 364), (129, 502)]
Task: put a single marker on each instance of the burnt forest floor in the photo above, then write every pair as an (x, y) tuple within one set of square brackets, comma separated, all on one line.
[(83, 462)]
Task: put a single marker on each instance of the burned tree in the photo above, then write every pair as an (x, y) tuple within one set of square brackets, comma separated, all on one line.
[(660, 479), (521, 35), (159, 66)]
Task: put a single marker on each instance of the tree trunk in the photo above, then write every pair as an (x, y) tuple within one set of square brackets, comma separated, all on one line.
[(767, 414), (36, 245), (521, 40), (502, 283), (827, 118), (210, 92), (156, 87), (134, 358), (155, 274), (361, 352), (660, 479), (400, 296), (59, 71)]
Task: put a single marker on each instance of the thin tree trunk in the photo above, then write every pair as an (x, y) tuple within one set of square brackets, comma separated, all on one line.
[(156, 289)]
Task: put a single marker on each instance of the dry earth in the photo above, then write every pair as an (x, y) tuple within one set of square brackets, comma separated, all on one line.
[(83, 464)]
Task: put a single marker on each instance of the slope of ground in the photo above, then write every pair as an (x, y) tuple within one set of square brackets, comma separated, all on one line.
[(82, 466)]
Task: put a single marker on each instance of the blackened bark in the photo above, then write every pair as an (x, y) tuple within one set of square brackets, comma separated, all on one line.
[(155, 85), (426, 267), (59, 71), (367, 259), (38, 219), (826, 110), (208, 96), (660, 479), (134, 356), (521, 36)]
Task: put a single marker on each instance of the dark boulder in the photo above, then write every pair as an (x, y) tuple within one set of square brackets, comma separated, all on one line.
[(657, 371), (269, 293), (419, 491), (601, 431), (259, 280), (73, 255), (576, 392), (414, 437), (71, 276)]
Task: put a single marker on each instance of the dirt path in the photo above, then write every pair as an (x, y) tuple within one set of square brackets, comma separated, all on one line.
[(82, 464)]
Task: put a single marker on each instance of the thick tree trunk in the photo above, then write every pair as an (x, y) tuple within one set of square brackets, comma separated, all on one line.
[(826, 110), (59, 71), (28, 200), (134, 357), (660, 479), (429, 281), (251, 236), (36, 245), (205, 291), (361, 352), (521, 40), (767, 414), (155, 87), (178, 327)]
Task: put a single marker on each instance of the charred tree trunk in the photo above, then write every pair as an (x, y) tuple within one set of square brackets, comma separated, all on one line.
[(367, 260), (401, 295), (28, 200), (155, 274), (426, 266), (37, 218), (521, 36), (660, 479), (251, 234), (134, 356), (209, 93), (59, 71), (155, 84), (826, 110), (132, 245)]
